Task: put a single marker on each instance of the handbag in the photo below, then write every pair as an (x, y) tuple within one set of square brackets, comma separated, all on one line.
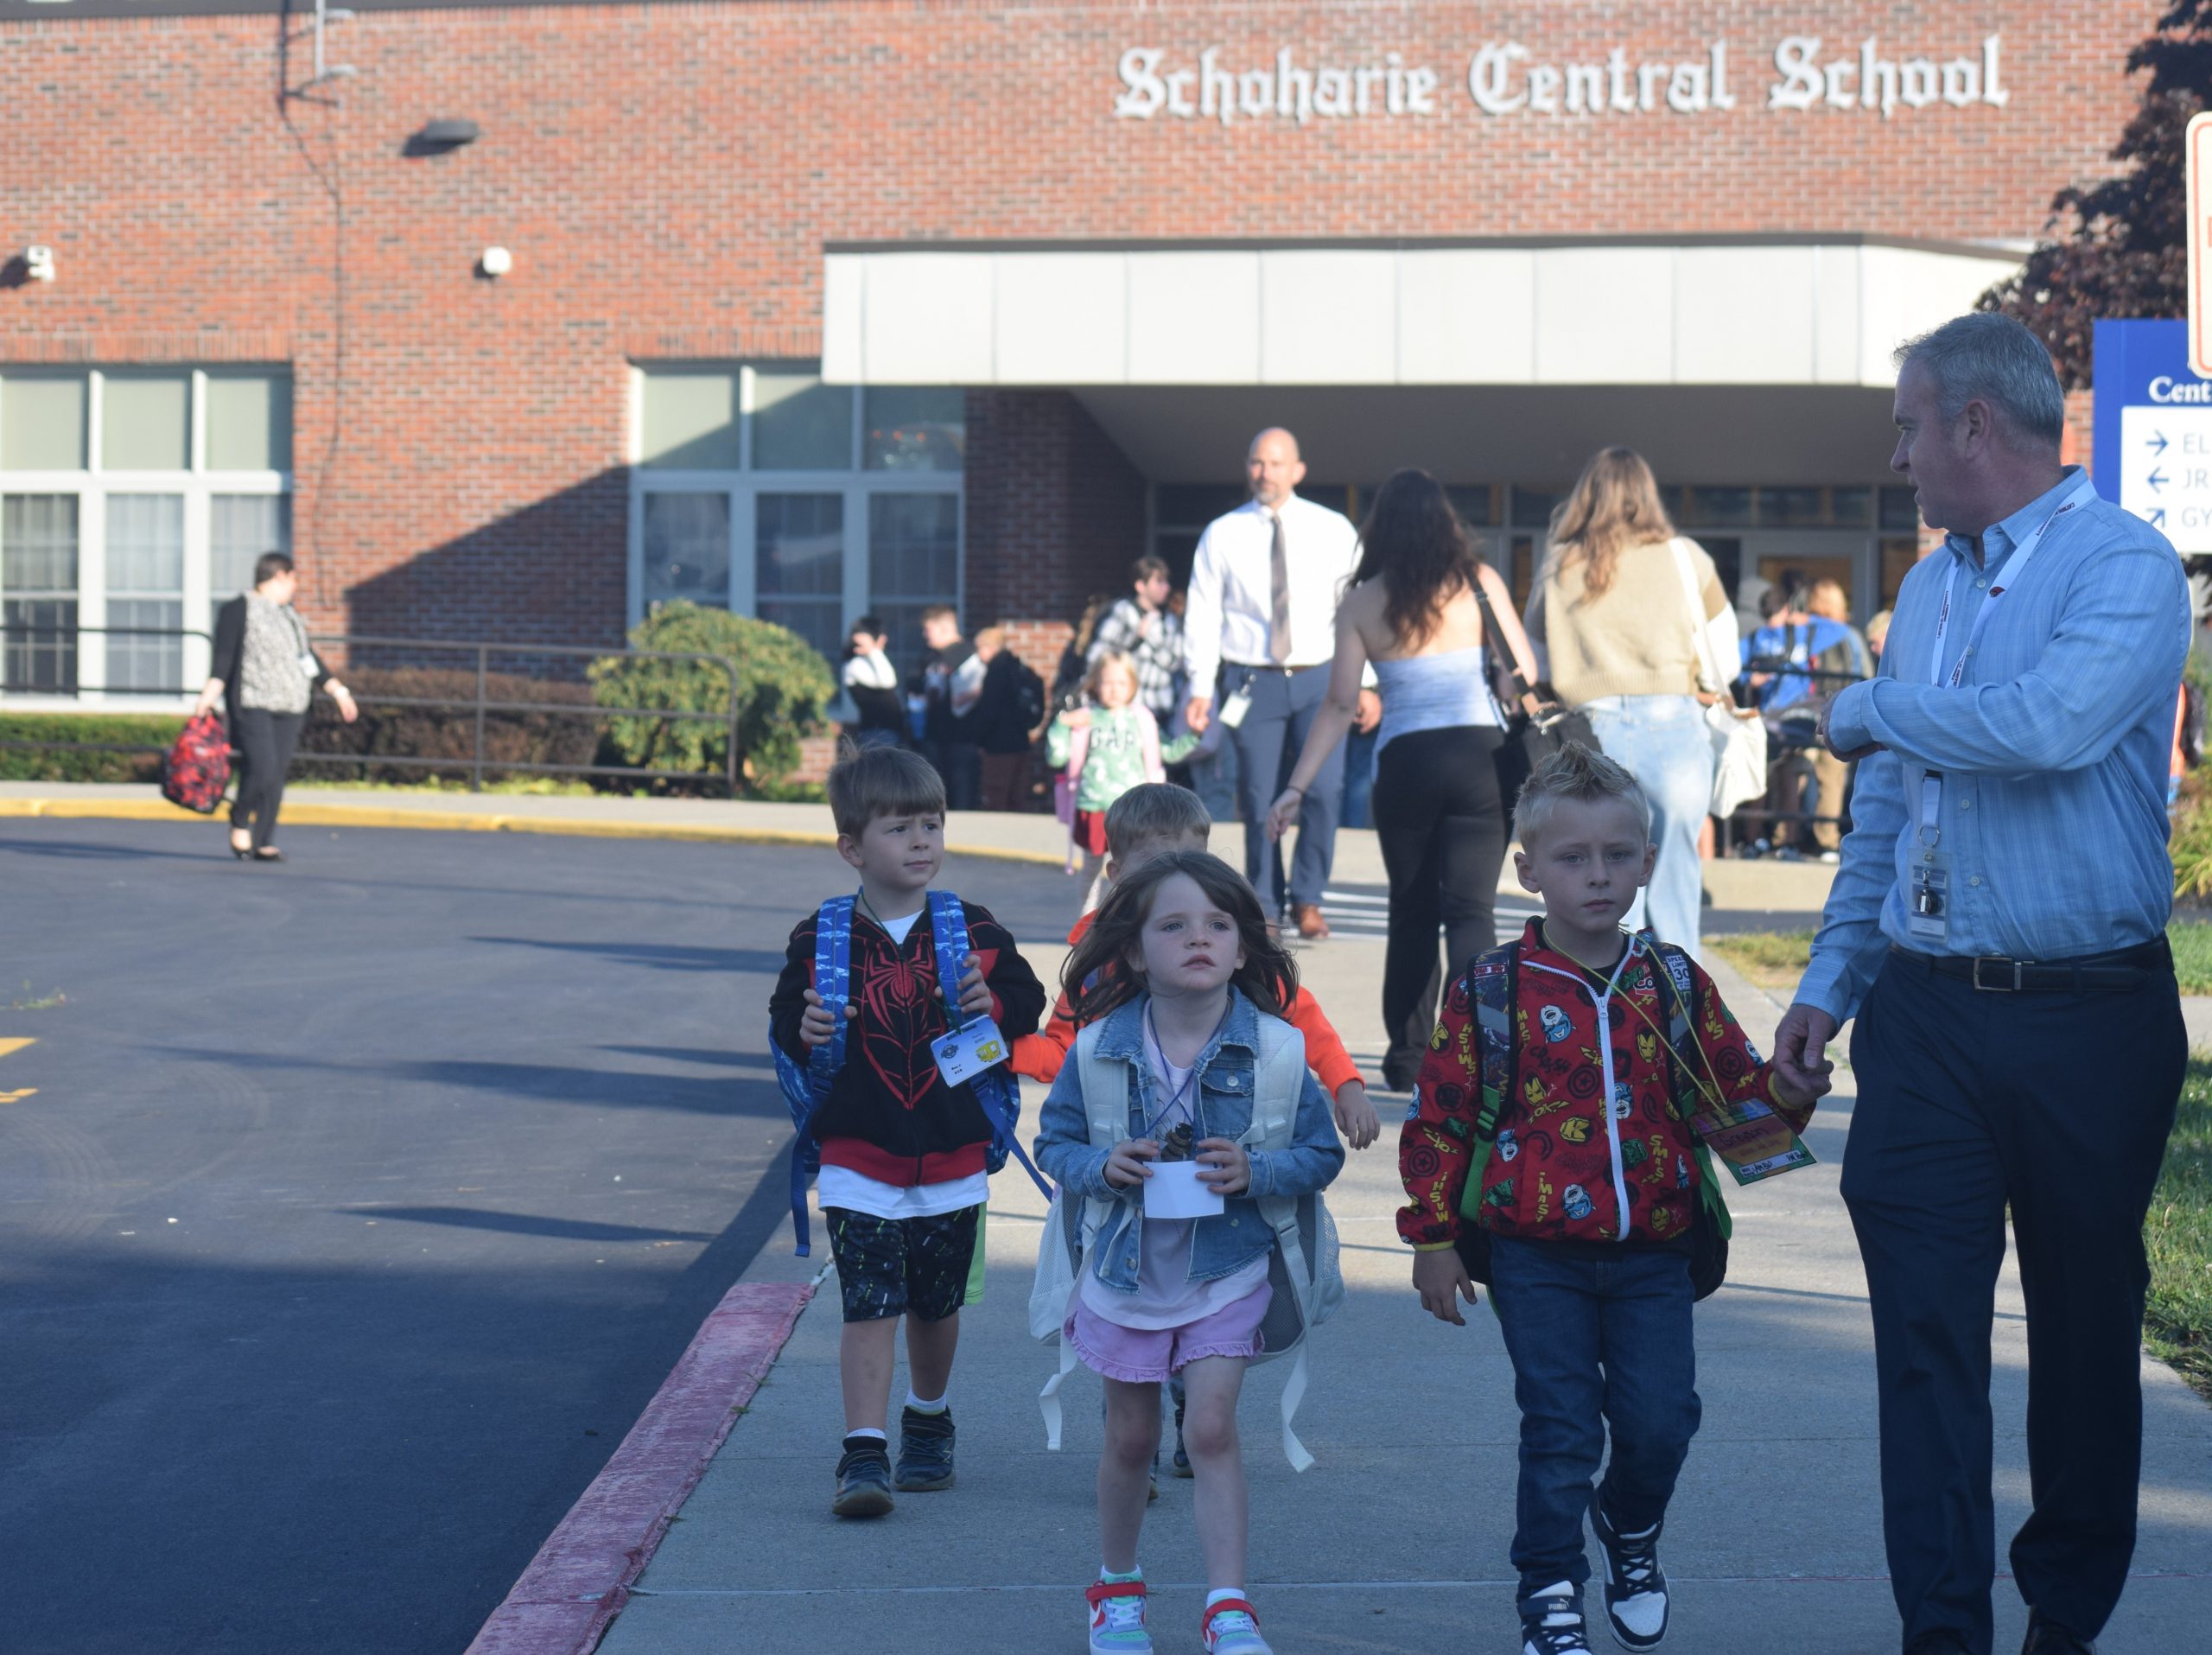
[(197, 769), (1537, 722), (1738, 736)]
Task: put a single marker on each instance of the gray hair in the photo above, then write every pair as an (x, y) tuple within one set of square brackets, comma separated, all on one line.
[(1990, 358)]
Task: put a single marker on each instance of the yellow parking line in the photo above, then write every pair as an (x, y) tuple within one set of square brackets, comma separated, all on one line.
[(15, 1043)]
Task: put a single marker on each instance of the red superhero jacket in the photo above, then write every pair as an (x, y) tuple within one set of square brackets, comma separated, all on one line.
[(1592, 1145)]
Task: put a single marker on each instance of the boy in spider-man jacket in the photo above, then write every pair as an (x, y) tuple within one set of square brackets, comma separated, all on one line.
[(902, 1185), (1590, 1188)]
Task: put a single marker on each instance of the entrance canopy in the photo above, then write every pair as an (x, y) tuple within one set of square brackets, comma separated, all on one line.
[(1767, 311)]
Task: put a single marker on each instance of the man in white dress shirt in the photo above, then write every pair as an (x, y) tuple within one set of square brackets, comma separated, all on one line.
[(1259, 629)]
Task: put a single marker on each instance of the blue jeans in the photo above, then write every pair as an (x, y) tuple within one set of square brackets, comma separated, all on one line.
[(1662, 741), (1268, 743), (1594, 1342)]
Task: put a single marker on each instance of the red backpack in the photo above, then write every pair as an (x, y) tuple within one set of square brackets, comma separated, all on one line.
[(196, 770)]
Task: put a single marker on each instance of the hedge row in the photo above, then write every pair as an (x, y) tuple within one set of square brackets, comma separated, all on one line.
[(448, 733), (152, 734)]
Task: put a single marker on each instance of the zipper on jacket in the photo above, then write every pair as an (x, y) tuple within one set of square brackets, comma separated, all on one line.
[(1602, 999)]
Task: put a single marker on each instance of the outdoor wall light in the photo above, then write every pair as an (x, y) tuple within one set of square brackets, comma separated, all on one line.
[(440, 136), (38, 263), (496, 261)]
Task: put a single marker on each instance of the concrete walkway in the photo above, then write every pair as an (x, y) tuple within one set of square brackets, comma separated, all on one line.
[(1782, 887), (1396, 1540)]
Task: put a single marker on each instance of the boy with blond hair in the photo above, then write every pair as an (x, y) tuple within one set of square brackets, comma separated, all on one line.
[(1551, 1153)]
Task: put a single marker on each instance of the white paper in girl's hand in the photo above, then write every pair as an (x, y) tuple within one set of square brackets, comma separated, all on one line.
[(1174, 1192)]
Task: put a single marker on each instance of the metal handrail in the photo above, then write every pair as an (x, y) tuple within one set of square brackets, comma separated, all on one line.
[(481, 703)]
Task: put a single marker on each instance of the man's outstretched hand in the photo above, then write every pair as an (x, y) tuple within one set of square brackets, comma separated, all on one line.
[(1800, 1039)]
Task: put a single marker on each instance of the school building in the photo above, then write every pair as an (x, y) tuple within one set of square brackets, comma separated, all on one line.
[(516, 319)]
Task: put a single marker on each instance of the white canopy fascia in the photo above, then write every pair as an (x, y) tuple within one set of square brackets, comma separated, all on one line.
[(1697, 311)]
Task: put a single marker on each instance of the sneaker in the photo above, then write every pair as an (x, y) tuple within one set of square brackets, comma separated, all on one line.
[(1117, 1618), (1230, 1628), (1551, 1622), (1636, 1587), (1182, 1459), (924, 1451), (863, 1481)]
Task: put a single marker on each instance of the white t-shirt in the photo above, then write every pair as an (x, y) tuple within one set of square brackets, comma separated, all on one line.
[(1166, 1295), (843, 1186)]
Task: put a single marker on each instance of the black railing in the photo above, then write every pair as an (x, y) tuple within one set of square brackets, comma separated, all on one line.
[(1793, 756), (480, 653)]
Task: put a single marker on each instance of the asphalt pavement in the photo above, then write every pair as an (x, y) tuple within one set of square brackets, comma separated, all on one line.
[(351, 1209)]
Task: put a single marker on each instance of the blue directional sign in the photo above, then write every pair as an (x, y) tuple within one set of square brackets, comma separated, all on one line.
[(2153, 443)]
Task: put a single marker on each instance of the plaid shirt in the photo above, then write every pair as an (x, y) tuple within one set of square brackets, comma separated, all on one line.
[(1159, 658)]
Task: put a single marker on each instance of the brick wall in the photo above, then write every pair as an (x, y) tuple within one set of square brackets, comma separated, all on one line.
[(1056, 513), (666, 176)]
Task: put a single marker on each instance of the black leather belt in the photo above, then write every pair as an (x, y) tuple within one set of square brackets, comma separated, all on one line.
[(2118, 973)]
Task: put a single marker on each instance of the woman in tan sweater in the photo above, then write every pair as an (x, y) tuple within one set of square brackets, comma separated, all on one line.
[(1612, 621)]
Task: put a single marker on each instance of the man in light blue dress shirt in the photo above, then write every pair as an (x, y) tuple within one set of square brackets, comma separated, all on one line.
[(1997, 927)]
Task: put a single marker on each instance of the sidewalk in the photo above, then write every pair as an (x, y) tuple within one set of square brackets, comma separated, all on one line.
[(1396, 1541), (1792, 888)]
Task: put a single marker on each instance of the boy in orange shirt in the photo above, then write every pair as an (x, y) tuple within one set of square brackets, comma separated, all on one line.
[(1151, 818)]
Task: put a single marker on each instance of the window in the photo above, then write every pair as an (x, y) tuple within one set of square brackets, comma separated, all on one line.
[(798, 549), (38, 592), (145, 592), (133, 502), (759, 487)]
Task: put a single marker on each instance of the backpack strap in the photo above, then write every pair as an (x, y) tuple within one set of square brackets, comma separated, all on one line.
[(1672, 966), (1493, 987), (995, 1089), (806, 1088), (1106, 1117)]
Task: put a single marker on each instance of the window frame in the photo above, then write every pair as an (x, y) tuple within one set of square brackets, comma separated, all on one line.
[(92, 487), (743, 487)]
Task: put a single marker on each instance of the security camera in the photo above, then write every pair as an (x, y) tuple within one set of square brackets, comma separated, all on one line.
[(38, 263)]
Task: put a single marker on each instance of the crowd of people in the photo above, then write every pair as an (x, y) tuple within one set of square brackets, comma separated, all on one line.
[(1996, 929)]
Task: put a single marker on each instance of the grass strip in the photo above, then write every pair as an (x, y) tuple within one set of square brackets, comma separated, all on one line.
[(2178, 1322)]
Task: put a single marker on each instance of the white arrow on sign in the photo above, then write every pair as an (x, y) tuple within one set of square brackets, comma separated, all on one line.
[(2165, 471)]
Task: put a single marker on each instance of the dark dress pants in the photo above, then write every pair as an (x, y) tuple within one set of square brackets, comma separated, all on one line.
[(1268, 743), (960, 766), (264, 742), (2058, 1107), (1441, 826)]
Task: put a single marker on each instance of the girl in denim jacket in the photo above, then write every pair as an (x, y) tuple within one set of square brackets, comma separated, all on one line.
[(1194, 973)]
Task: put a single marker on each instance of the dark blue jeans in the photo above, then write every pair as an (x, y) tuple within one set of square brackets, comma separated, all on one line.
[(1595, 1342)]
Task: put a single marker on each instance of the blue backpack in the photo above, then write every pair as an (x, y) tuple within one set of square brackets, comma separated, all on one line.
[(806, 1088)]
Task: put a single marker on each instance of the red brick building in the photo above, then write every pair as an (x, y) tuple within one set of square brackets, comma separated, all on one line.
[(814, 307)]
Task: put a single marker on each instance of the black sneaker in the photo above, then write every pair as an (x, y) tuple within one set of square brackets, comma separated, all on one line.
[(924, 1451), (863, 1480), (1182, 1459), (1551, 1622), (1636, 1587)]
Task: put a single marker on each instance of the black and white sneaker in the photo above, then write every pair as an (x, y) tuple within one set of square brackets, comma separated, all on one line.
[(863, 1480), (1636, 1587), (1551, 1622)]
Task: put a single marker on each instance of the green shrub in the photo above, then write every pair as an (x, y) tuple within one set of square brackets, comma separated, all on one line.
[(783, 686), (148, 734), (447, 733)]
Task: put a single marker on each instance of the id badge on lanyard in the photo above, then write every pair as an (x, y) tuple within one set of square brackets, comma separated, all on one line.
[(1928, 893)]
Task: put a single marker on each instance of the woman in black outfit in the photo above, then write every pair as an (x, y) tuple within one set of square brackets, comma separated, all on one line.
[(266, 673), (1415, 609)]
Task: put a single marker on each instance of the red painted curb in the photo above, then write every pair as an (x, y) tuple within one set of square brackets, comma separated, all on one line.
[(582, 1576)]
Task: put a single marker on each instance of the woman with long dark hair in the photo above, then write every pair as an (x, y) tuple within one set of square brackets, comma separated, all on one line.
[(1411, 610), (1611, 611)]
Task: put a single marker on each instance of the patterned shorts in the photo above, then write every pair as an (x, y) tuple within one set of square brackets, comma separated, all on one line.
[(891, 1267)]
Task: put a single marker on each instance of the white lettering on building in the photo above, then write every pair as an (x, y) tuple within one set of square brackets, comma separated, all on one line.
[(1504, 79)]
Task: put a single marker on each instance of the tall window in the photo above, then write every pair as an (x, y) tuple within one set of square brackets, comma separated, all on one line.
[(133, 501), (759, 487)]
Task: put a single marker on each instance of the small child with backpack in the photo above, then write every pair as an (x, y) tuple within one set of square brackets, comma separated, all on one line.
[(891, 1022), (1191, 1146), (1103, 749), (1560, 1148)]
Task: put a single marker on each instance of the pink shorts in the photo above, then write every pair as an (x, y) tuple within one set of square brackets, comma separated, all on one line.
[(1149, 1355)]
